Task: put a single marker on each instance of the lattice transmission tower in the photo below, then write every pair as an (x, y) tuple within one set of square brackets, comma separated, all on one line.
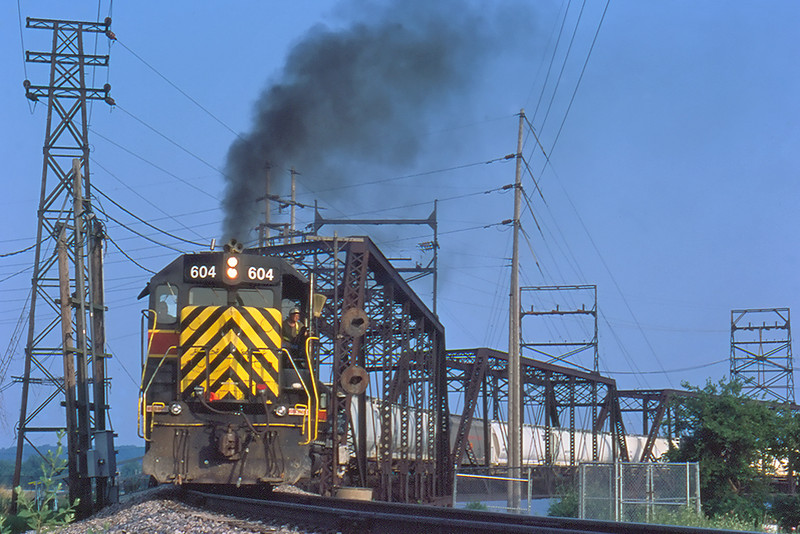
[(562, 324), (66, 321), (761, 353)]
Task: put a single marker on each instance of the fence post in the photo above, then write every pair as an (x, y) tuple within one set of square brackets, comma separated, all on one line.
[(530, 489), (697, 487), (581, 490), (617, 491), (650, 491), (455, 488), (688, 487)]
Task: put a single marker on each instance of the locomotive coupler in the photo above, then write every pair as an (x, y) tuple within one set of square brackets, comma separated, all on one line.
[(228, 444)]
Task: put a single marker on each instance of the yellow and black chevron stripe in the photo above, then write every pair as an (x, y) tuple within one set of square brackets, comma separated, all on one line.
[(230, 351)]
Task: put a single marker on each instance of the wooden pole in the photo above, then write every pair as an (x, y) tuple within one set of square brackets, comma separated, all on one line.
[(514, 370)]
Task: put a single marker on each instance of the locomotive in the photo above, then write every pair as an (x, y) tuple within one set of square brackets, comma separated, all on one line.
[(225, 399)]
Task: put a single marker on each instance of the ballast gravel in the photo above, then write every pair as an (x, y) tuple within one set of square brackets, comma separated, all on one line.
[(155, 512)]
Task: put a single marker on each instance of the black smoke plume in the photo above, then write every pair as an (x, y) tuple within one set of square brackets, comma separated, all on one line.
[(359, 94)]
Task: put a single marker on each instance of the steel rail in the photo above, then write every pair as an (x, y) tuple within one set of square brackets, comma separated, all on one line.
[(350, 516)]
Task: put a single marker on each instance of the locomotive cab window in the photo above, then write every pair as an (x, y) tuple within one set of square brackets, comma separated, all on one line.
[(208, 296), (166, 299), (257, 298), (295, 295), (218, 296)]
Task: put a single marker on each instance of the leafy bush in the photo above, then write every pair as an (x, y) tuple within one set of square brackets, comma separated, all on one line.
[(687, 517), (786, 510), (44, 512), (565, 506)]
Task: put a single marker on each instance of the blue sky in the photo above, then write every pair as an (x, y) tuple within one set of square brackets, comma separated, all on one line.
[(670, 185)]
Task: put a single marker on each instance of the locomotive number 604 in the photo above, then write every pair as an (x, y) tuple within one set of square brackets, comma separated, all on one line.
[(229, 392)]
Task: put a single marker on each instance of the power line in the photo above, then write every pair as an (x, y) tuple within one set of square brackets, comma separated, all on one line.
[(564, 65), (419, 174), (31, 105), (425, 173), (580, 78), (94, 67), (9, 277), (440, 200), (158, 132), (135, 192), (126, 255), (181, 91), (552, 60), (480, 227), (156, 228), (7, 254), (640, 379), (22, 40), (120, 361), (569, 255), (16, 335), (538, 142), (608, 270), (530, 208), (142, 158), (128, 228), (662, 372), (530, 248)]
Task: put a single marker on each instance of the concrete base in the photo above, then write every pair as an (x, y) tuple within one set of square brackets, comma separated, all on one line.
[(354, 494)]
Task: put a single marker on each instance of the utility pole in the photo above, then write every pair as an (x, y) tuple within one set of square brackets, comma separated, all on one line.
[(73, 301), (435, 257), (264, 232), (291, 218), (514, 368)]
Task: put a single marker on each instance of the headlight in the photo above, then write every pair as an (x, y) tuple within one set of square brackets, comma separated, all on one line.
[(280, 411), (231, 270), (175, 408)]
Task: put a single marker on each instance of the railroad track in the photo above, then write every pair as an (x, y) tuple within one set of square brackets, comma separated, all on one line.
[(324, 514)]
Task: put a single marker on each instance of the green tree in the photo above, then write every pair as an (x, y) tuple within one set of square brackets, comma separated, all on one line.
[(729, 435), (786, 446)]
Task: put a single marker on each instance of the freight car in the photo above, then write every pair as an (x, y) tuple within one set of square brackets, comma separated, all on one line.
[(225, 397), (534, 440)]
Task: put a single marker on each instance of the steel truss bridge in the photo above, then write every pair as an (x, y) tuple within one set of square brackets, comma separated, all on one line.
[(373, 320)]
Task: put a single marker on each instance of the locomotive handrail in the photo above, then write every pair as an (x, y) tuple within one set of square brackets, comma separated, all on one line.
[(314, 386), (308, 395), (161, 361), (149, 337), (139, 416), (142, 415), (153, 419)]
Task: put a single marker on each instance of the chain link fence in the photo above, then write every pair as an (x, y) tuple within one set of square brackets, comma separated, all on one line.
[(490, 488), (634, 492), (492, 492)]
